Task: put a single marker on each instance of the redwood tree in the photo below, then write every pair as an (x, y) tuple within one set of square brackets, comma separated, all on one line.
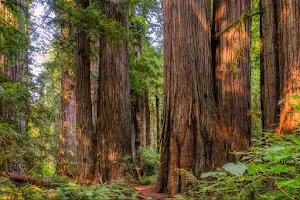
[(280, 35), (68, 151), (289, 63), (191, 128), (83, 103), (269, 65), (114, 114), (231, 53)]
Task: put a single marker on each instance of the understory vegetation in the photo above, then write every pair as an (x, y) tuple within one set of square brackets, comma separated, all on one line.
[(268, 171)]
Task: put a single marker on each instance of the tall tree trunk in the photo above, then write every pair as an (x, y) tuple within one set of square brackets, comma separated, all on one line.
[(231, 51), (94, 88), (15, 66), (114, 113), (85, 165), (190, 127), (269, 64), (152, 127), (289, 61), (147, 118), (67, 137), (157, 119)]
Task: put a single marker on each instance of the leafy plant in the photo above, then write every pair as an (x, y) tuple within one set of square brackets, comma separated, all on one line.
[(149, 161), (270, 170)]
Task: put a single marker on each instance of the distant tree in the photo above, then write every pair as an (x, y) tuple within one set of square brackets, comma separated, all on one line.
[(67, 137), (231, 57)]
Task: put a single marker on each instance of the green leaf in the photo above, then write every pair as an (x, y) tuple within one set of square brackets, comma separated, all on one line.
[(254, 169), (282, 168), (286, 182), (235, 169), (213, 174)]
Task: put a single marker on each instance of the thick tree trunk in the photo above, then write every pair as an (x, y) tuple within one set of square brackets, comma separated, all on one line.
[(190, 127), (231, 51), (68, 151), (85, 165), (289, 61), (114, 113), (269, 65)]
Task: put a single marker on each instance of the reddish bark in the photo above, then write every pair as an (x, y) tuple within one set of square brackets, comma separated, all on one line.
[(289, 63), (85, 155), (231, 53), (114, 114), (67, 137), (191, 128)]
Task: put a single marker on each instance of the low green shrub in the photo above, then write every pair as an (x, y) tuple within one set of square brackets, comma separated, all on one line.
[(270, 170), (67, 191), (147, 180), (149, 161)]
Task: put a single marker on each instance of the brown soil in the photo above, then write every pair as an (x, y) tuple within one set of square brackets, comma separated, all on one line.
[(147, 191)]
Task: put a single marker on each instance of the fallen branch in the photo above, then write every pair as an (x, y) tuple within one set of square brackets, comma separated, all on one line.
[(25, 179)]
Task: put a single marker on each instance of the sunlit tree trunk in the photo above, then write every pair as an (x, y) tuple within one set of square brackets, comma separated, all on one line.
[(270, 86), (190, 123), (67, 137), (85, 165), (289, 63), (114, 114), (231, 53)]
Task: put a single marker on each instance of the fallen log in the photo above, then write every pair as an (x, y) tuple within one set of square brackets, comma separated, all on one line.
[(25, 179)]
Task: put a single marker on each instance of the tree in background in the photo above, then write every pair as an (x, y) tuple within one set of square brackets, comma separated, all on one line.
[(145, 72), (68, 147), (280, 65), (231, 57), (13, 59), (269, 65), (84, 123)]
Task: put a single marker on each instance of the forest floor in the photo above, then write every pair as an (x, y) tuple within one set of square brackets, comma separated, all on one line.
[(147, 191)]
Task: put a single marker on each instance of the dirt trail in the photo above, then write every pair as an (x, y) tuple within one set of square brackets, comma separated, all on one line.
[(147, 191)]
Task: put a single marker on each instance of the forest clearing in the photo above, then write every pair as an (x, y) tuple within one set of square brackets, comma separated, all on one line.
[(149, 99)]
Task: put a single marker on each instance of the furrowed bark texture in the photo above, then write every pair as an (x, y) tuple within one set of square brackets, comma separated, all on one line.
[(85, 165), (68, 151), (270, 86), (231, 52), (114, 113), (289, 63), (190, 121)]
